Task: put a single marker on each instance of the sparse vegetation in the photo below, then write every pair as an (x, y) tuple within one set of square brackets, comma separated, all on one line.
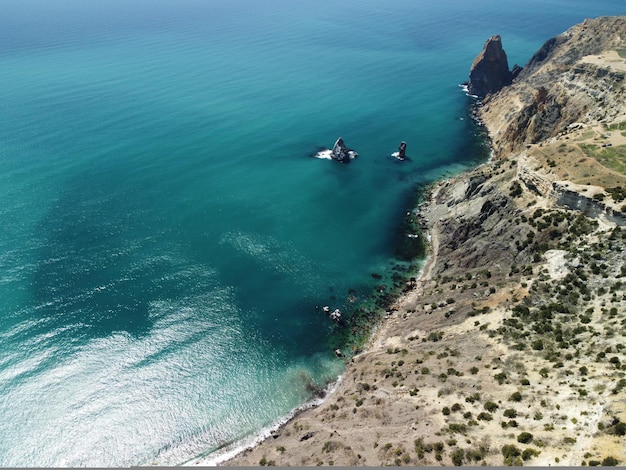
[(536, 318)]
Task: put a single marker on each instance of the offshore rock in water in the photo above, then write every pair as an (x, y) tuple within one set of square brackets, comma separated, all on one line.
[(341, 153), (401, 153)]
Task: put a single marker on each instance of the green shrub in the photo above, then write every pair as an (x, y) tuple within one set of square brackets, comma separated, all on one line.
[(524, 437), (476, 455), (435, 336), (511, 454), (617, 428), (331, 446), (491, 406), (620, 385), (457, 457), (473, 398), (609, 462), (515, 190), (510, 450), (457, 427), (529, 453)]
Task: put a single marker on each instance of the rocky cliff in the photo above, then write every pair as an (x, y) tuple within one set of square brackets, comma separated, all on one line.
[(509, 349), (490, 72), (564, 83)]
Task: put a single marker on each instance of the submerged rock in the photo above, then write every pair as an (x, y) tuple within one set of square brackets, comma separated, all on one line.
[(341, 153)]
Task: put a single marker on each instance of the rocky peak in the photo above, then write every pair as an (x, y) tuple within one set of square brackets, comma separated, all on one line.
[(490, 69), (342, 153), (571, 79)]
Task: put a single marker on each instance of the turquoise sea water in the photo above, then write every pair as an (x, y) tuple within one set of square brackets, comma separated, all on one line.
[(166, 236)]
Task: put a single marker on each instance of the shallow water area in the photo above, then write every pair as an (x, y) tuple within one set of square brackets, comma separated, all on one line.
[(167, 239)]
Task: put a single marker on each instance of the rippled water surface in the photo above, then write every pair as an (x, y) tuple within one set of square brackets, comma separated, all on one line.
[(166, 236)]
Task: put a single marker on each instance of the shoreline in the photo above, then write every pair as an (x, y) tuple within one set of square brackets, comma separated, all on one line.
[(473, 364), (379, 333), (230, 452), (248, 444)]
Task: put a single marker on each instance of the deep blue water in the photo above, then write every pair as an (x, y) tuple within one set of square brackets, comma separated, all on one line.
[(166, 235)]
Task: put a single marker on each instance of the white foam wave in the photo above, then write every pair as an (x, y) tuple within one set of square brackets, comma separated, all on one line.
[(465, 88), (228, 452), (324, 154)]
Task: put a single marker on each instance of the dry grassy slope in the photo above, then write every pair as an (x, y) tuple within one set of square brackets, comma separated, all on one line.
[(511, 349)]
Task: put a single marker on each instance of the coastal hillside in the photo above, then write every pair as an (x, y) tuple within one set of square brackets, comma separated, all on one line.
[(511, 347)]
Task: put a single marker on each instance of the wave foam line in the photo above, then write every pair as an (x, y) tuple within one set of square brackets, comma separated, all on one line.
[(231, 450)]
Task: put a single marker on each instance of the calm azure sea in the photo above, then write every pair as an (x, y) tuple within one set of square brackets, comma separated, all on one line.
[(166, 237)]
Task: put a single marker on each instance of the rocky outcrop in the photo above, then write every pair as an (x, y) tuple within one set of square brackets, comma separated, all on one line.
[(341, 153), (592, 208), (490, 70), (535, 180), (559, 86), (402, 151), (566, 194)]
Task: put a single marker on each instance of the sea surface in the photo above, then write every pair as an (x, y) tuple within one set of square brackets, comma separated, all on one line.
[(167, 239)]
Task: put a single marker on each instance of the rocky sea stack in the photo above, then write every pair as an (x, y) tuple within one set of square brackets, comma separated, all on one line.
[(341, 153), (490, 70)]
